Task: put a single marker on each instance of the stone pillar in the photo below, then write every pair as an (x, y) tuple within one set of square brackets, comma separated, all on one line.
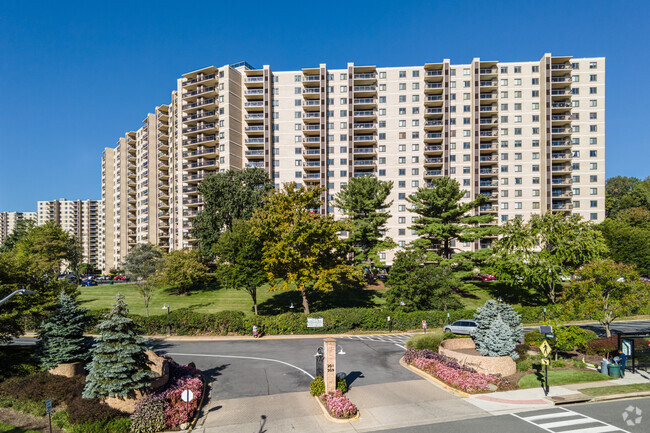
[(329, 344)]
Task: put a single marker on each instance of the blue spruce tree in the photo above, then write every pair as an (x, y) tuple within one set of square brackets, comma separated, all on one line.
[(61, 335), (119, 364), (498, 330)]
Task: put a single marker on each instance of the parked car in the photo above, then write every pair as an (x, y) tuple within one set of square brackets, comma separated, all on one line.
[(461, 327), (89, 282)]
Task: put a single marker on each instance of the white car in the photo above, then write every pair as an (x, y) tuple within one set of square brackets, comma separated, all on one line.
[(461, 327)]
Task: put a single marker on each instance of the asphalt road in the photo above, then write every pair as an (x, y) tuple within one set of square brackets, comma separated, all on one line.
[(600, 417), (250, 368)]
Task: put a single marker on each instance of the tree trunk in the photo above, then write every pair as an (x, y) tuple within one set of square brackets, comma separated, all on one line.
[(254, 296), (608, 332), (305, 303)]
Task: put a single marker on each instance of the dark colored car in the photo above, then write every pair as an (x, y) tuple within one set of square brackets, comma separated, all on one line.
[(89, 282)]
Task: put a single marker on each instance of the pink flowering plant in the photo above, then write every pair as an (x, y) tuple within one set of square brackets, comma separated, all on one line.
[(338, 405), (451, 373)]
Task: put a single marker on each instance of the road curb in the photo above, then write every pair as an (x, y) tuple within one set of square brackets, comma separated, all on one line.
[(336, 420), (198, 408), (621, 396), (433, 380)]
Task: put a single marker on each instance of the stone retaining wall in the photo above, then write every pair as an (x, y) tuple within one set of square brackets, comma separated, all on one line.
[(503, 365)]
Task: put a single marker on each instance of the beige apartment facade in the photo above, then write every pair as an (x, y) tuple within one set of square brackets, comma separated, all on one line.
[(530, 136), (79, 218), (9, 221)]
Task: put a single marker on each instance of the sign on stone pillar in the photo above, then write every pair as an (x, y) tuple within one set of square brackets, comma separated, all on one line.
[(330, 364)]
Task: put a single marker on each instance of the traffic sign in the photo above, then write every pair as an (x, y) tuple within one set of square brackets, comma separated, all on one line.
[(48, 405), (187, 395), (545, 348), (546, 361)]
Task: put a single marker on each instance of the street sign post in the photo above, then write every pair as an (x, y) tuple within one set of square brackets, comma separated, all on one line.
[(48, 410), (187, 396), (545, 348)]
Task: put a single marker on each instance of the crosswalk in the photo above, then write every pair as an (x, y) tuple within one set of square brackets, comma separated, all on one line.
[(398, 339), (563, 420)]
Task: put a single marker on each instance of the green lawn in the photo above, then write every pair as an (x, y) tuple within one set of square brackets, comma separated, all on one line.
[(616, 389), (214, 300), (560, 377), (8, 428)]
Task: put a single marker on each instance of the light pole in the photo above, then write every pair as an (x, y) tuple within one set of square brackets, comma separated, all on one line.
[(18, 292)]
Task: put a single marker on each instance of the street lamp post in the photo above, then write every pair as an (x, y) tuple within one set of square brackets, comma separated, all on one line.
[(17, 292)]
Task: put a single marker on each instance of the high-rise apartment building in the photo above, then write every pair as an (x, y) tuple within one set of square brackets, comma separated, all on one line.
[(79, 218), (9, 221), (530, 136)]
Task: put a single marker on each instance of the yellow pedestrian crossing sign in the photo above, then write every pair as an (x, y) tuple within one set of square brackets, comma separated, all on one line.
[(545, 361), (545, 348)]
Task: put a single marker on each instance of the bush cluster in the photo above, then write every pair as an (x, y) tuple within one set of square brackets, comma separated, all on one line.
[(317, 386), (603, 346)]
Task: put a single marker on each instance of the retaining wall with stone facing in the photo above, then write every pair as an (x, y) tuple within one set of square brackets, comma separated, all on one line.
[(503, 365)]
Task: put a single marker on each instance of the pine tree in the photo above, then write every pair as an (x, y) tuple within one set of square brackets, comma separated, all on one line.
[(499, 330), (61, 335), (119, 363)]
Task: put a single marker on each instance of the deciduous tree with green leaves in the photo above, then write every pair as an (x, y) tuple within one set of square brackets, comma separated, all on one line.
[(540, 252), (227, 197), (302, 249), (140, 264), (606, 290), (442, 218), (364, 202), (239, 259), (415, 284), (183, 270), (119, 363), (61, 338), (628, 238), (626, 192)]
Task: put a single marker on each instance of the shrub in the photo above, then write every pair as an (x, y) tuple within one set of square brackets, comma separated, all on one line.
[(498, 330), (61, 420), (338, 405), (81, 410), (569, 337), (534, 338), (412, 355), (176, 411), (429, 341), (229, 321), (317, 386), (602, 346), (116, 425), (468, 381), (525, 365), (557, 364), (342, 385), (522, 351), (149, 415)]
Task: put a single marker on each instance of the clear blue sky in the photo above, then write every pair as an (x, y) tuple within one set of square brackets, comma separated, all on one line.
[(75, 76)]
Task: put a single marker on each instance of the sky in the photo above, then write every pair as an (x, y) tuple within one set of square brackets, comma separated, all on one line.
[(75, 76)]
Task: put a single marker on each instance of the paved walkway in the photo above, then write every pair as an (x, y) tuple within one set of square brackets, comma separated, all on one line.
[(382, 406)]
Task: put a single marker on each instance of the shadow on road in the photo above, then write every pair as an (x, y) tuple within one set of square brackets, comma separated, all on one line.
[(210, 376), (354, 375)]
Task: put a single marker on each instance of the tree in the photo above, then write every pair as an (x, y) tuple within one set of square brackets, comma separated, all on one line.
[(22, 227), (183, 270), (33, 262), (119, 363), (605, 290), (443, 218), (61, 334), (498, 330), (227, 197), (363, 201), (140, 264), (417, 285), (302, 249), (626, 192), (628, 238), (537, 254), (75, 257), (239, 255)]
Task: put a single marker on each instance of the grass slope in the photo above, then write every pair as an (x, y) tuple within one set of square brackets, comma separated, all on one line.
[(616, 389), (560, 377), (8, 428)]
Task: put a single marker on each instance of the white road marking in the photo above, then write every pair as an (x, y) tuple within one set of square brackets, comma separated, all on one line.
[(554, 420), (399, 345), (242, 357)]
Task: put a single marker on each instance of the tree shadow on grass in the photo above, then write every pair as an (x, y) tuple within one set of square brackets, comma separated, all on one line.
[(517, 294), (318, 301)]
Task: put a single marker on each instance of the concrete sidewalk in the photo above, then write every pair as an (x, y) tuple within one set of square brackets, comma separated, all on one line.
[(533, 398)]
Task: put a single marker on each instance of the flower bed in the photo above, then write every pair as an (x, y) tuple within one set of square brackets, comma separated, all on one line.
[(450, 372), (338, 405)]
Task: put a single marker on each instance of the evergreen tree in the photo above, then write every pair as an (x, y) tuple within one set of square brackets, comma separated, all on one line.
[(443, 218), (61, 335), (363, 201), (499, 330), (119, 364)]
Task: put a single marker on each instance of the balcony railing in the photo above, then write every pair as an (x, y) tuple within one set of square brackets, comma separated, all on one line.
[(434, 86), (432, 148), (365, 101), (364, 162), (199, 115), (434, 110), (364, 76), (433, 172), (434, 135), (364, 88), (255, 164), (364, 150), (254, 79), (259, 152), (365, 138), (198, 79), (364, 113), (254, 104), (255, 141), (487, 71), (436, 73)]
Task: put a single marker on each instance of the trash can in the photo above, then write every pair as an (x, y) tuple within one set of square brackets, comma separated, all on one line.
[(614, 370), (603, 366)]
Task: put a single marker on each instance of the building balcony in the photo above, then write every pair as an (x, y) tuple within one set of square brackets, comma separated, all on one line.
[(367, 126), (202, 78), (365, 78), (489, 183), (199, 91), (365, 151), (365, 138), (254, 93), (488, 208), (487, 108), (561, 143), (364, 162), (493, 133), (561, 156), (201, 103), (311, 176), (254, 140), (490, 96), (488, 171), (433, 161), (198, 128), (198, 165), (256, 128), (200, 152), (252, 164), (361, 102), (561, 131), (255, 152), (201, 115), (562, 206), (365, 114), (199, 140), (254, 116), (311, 140), (432, 173), (560, 66), (434, 149), (254, 79), (488, 159)]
